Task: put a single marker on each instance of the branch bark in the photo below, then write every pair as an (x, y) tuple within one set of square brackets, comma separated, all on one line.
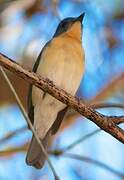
[(107, 123)]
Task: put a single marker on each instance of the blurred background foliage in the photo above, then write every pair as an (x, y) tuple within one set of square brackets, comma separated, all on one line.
[(25, 26)]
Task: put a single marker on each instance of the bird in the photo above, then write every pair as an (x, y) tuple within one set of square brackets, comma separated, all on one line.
[(62, 60)]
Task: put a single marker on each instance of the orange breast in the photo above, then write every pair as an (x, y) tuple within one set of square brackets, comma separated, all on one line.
[(63, 63)]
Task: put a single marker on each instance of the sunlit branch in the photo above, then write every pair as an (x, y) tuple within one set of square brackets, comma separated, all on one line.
[(107, 105), (104, 122)]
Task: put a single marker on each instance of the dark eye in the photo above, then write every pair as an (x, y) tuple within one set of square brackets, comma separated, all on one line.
[(64, 25)]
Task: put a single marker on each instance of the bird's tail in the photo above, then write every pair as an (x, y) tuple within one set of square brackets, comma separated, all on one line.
[(35, 156)]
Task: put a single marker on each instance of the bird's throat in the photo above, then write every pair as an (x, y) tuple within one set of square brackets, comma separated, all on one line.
[(75, 31)]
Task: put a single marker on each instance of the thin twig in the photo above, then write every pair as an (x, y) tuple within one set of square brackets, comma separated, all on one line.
[(28, 121), (58, 152), (107, 105), (23, 148), (117, 120), (72, 115), (12, 150), (98, 106), (95, 106), (114, 85), (93, 161), (80, 140), (12, 134)]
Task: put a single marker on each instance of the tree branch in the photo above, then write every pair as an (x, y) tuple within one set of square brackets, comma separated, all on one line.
[(28, 121), (74, 113), (104, 122), (116, 84), (12, 150), (10, 135), (93, 161)]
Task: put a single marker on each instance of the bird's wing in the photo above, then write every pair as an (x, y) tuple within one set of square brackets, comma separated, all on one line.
[(58, 120), (30, 105), (60, 115)]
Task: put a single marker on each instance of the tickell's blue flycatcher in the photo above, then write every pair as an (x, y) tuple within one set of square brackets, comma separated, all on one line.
[(62, 61)]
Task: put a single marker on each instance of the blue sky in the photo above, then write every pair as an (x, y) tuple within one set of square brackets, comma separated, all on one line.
[(28, 37)]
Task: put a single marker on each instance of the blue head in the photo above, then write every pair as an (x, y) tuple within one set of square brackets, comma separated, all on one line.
[(66, 24)]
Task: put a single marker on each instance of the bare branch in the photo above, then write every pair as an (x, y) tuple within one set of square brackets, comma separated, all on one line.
[(72, 115), (28, 121), (117, 120), (95, 106), (107, 105), (11, 151), (80, 140), (104, 122), (113, 86), (12, 134), (93, 161)]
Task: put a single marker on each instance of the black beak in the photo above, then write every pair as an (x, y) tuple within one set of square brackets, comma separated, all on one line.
[(80, 18)]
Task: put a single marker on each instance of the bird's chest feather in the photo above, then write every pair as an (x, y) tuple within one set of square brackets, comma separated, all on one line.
[(62, 62)]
